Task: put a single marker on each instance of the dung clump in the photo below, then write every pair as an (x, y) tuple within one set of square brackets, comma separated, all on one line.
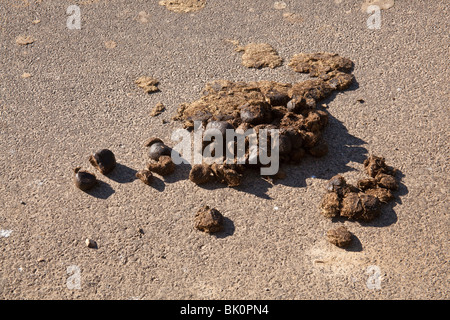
[(362, 203), (163, 166), (209, 220), (145, 176), (157, 148), (339, 236), (224, 173), (84, 180), (201, 173), (320, 63), (259, 55), (375, 165), (103, 160), (148, 84), (157, 110)]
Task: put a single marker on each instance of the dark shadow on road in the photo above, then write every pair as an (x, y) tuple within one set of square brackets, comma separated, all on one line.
[(122, 174), (101, 191), (228, 229)]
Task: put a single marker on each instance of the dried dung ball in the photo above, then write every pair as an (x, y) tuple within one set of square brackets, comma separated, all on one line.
[(103, 160), (384, 195), (201, 173), (375, 165), (295, 136), (152, 140), (371, 206), (157, 150), (255, 112), (297, 104), (208, 220), (339, 236), (226, 174), (221, 126), (164, 166), (84, 180), (386, 181), (330, 205), (352, 207), (145, 176), (284, 145), (336, 184), (368, 183)]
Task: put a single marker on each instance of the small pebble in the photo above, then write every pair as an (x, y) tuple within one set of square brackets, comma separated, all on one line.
[(90, 243)]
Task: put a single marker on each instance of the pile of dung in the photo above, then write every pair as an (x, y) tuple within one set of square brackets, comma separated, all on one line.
[(362, 202), (291, 108)]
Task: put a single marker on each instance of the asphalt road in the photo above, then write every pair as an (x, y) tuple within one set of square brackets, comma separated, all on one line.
[(80, 97)]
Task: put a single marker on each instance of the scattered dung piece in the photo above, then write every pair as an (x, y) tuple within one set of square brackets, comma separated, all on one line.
[(91, 243), (157, 148), (352, 207), (208, 220), (164, 166), (183, 5), (320, 63), (26, 75), (384, 195), (368, 183), (382, 4), (339, 236), (386, 181), (148, 84), (338, 185), (201, 173), (227, 174), (84, 180), (330, 205), (157, 109), (24, 40), (375, 165), (145, 176), (259, 55), (363, 202), (371, 206), (103, 160), (255, 112)]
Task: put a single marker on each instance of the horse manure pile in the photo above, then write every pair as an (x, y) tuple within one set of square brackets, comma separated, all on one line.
[(362, 202), (290, 108)]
